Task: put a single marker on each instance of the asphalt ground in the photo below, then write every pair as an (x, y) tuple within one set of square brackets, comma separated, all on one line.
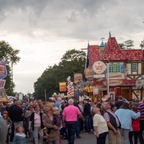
[(86, 138)]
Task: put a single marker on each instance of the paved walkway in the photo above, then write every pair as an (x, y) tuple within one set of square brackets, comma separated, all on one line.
[(85, 139)]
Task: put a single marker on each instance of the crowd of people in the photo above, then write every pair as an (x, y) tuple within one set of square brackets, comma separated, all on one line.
[(121, 121)]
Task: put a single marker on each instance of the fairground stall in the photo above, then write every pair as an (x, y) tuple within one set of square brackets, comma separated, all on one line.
[(115, 71)]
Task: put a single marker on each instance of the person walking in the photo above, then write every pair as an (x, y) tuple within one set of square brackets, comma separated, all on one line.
[(8, 121), (36, 124), (113, 124), (141, 110), (3, 131), (100, 126), (119, 102), (20, 137), (87, 115), (16, 114), (69, 118), (51, 125), (135, 134), (125, 116)]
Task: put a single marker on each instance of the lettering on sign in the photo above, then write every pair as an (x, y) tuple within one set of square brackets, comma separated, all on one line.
[(89, 72), (116, 75), (99, 67), (99, 76), (113, 82), (3, 70), (78, 77)]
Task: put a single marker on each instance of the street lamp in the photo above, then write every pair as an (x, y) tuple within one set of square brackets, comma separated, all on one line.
[(107, 79), (45, 95)]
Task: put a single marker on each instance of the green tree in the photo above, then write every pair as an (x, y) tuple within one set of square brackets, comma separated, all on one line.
[(142, 44), (122, 45), (126, 44), (129, 43), (11, 56), (48, 81), (73, 61)]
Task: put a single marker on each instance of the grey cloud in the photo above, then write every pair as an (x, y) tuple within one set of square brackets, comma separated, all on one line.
[(81, 19)]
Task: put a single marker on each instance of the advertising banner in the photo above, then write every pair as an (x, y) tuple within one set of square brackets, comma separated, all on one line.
[(3, 70), (62, 86), (70, 87), (78, 77), (99, 67), (89, 72), (70, 92), (20, 96), (95, 91)]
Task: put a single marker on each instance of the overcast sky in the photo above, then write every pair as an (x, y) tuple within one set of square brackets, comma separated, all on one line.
[(43, 30)]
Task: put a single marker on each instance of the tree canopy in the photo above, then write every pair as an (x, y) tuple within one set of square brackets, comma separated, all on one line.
[(127, 44), (142, 44), (73, 61)]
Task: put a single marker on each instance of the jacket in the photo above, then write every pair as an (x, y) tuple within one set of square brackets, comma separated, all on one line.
[(32, 120), (19, 139), (113, 121)]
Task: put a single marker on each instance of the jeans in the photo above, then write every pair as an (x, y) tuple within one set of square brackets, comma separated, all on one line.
[(25, 125), (141, 126), (125, 135), (12, 132), (53, 142), (37, 131), (78, 129), (63, 132), (87, 123), (102, 138), (81, 124), (71, 126), (135, 136)]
